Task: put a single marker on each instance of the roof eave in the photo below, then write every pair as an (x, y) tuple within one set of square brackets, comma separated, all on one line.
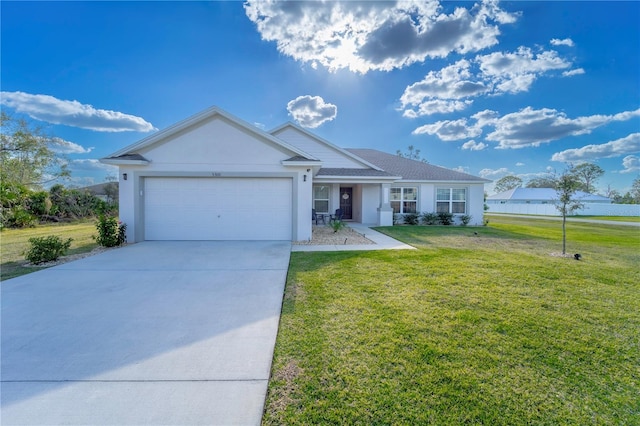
[(123, 162)]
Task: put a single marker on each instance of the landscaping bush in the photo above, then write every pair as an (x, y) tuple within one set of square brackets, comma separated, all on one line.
[(429, 219), (47, 249), (411, 218), (465, 219), (111, 233), (446, 218), (337, 225), (19, 217)]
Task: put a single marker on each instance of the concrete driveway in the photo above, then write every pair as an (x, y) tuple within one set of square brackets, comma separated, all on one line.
[(152, 333)]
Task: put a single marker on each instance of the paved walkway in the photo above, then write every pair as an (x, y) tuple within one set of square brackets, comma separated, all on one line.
[(155, 333), (571, 219), (382, 242)]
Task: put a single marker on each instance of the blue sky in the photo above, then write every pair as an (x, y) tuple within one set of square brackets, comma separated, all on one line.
[(490, 88)]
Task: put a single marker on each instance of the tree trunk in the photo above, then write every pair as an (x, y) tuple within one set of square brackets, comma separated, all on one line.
[(564, 233)]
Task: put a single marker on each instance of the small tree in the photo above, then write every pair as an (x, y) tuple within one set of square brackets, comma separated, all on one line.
[(566, 186), (508, 182)]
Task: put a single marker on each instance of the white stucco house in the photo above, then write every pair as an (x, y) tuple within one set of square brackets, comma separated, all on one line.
[(214, 176)]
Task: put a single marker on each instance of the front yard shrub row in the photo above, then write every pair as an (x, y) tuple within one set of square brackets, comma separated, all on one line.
[(430, 218)]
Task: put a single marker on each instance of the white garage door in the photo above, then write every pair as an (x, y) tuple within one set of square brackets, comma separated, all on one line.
[(217, 209)]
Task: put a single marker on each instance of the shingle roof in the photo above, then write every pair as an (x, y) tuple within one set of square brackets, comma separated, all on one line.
[(299, 158), (328, 171), (411, 169), (134, 157)]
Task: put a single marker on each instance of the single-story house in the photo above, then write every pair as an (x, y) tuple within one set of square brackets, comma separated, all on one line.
[(541, 196), (214, 176)]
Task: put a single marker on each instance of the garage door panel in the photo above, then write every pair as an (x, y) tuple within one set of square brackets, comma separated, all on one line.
[(218, 209)]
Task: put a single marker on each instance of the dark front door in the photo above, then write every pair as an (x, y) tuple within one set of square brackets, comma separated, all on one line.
[(346, 197)]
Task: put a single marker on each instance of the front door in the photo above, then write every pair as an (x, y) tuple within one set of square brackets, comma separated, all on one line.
[(346, 197)]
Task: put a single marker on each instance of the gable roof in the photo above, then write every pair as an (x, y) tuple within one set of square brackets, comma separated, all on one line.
[(325, 142), (413, 170), (543, 194), (207, 114)]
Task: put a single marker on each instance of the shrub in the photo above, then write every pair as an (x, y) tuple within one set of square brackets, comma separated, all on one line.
[(465, 218), (446, 218), (397, 219), (46, 249), (110, 232), (337, 225), (411, 218), (19, 217), (429, 218)]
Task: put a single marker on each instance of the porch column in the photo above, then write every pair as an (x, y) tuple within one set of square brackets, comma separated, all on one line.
[(385, 212)]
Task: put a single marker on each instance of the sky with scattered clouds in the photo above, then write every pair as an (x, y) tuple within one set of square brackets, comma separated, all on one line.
[(489, 88)]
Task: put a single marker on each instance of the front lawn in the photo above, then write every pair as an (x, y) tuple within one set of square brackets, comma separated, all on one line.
[(14, 242), (469, 329)]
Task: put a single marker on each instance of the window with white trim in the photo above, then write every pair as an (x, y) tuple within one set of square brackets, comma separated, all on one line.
[(404, 200), (321, 198), (451, 200)]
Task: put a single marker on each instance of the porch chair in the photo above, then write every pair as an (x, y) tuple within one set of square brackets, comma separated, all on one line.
[(316, 217), (336, 217)]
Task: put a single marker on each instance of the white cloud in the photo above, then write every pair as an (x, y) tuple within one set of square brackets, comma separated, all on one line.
[(90, 165), (449, 130), (364, 36), (474, 146), (436, 106), (492, 173), (530, 127), (525, 128), (311, 111), (571, 73), (461, 169), (73, 113), (62, 146), (627, 145), (519, 164), (631, 164), (563, 42), (496, 73)]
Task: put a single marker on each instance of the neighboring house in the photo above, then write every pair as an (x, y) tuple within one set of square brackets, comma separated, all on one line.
[(541, 196), (105, 191), (216, 177)]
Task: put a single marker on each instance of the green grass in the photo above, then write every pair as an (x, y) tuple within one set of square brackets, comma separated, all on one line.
[(487, 329), (14, 242), (612, 218)]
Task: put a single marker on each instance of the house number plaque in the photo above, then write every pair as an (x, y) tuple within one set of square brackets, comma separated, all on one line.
[(216, 174)]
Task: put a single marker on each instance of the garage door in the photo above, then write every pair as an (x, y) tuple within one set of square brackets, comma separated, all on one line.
[(217, 209)]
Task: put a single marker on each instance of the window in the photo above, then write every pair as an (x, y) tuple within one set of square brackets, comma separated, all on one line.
[(404, 200), (321, 198), (451, 200)]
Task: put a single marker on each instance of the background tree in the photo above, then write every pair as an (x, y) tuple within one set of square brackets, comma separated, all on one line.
[(566, 186), (508, 182), (635, 190), (587, 174), (412, 154), (542, 182), (26, 155)]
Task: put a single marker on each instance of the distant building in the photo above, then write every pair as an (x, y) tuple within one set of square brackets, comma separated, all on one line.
[(541, 196), (106, 191)]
